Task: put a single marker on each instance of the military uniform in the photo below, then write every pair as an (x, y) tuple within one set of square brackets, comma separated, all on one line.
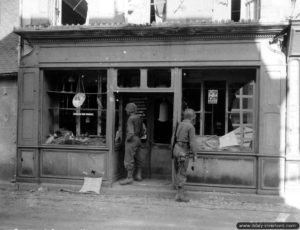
[(132, 158), (133, 142), (184, 139)]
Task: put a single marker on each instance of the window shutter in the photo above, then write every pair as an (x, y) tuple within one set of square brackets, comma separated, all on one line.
[(28, 106), (272, 111), (54, 7), (249, 9)]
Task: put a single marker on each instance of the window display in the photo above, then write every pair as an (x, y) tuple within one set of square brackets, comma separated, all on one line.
[(224, 105), (75, 107)]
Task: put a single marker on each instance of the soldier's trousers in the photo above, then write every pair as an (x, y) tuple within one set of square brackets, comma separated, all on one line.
[(180, 166), (133, 156)]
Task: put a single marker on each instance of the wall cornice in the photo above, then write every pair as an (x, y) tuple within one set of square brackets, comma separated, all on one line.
[(79, 33)]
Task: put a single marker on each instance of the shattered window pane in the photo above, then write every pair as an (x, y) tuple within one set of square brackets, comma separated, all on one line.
[(224, 105), (75, 107)]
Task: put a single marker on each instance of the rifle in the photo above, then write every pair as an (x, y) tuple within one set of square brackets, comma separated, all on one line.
[(173, 141)]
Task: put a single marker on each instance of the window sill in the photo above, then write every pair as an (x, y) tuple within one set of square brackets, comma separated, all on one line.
[(77, 147), (244, 154)]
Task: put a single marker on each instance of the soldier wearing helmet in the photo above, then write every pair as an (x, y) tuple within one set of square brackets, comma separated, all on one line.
[(183, 144), (133, 159)]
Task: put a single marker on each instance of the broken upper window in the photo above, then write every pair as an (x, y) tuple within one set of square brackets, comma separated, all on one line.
[(235, 10), (211, 10), (158, 11), (74, 12), (91, 12)]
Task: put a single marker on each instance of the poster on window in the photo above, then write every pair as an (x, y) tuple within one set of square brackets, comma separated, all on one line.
[(212, 96)]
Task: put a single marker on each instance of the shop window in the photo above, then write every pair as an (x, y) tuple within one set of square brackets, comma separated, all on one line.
[(73, 12), (128, 78), (159, 78), (235, 10), (224, 105), (75, 107)]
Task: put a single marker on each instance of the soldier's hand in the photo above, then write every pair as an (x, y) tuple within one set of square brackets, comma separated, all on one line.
[(194, 158)]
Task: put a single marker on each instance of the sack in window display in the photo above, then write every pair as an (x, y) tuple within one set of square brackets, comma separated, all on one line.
[(208, 143)]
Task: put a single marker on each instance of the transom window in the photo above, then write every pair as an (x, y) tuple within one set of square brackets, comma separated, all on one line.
[(144, 78)]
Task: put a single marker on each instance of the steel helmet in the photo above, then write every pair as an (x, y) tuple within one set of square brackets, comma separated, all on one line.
[(131, 108), (189, 114)]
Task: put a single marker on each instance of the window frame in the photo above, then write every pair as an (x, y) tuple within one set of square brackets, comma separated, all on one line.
[(143, 87), (254, 110), (45, 108)]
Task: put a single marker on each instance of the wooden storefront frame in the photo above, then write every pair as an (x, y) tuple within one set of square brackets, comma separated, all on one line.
[(176, 64)]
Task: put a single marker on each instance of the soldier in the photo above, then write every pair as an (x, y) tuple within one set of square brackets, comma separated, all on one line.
[(183, 145), (133, 159)]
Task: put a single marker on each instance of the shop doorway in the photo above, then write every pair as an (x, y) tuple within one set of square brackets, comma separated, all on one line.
[(156, 111)]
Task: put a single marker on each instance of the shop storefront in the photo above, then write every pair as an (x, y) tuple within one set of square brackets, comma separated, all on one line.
[(75, 83)]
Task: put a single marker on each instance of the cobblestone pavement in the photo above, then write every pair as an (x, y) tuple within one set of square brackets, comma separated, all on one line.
[(44, 208)]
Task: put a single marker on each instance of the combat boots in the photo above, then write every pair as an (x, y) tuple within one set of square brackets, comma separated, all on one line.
[(180, 197), (129, 178), (138, 174)]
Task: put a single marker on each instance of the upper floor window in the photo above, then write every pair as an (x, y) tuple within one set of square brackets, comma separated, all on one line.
[(73, 12), (235, 10), (90, 12)]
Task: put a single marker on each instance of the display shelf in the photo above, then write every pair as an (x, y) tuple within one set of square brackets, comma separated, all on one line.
[(71, 109), (70, 92)]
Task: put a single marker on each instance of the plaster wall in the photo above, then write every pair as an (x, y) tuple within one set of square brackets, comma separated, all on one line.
[(9, 16), (8, 123)]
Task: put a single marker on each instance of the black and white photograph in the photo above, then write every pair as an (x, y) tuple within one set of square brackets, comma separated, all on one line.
[(149, 114)]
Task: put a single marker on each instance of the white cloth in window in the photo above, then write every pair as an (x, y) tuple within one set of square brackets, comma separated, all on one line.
[(163, 111)]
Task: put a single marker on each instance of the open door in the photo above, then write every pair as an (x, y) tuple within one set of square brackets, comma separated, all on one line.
[(156, 110)]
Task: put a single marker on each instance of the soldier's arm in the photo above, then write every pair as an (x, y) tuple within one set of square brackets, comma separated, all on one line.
[(130, 129), (192, 137)]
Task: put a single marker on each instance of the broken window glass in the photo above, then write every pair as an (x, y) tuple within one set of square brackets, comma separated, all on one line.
[(75, 107), (224, 104), (235, 10), (74, 12)]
